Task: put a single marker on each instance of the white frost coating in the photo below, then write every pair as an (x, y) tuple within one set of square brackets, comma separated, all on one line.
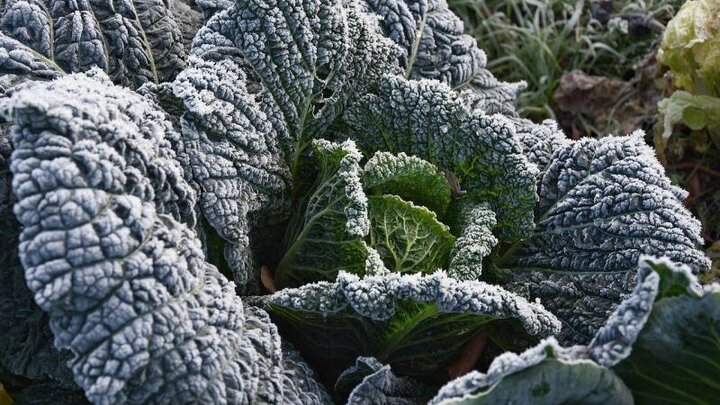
[(657, 278), (265, 79), (480, 150), (418, 324), (127, 288), (540, 142), (135, 42), (374, 265), (603, 203), (18, 59), (376, 298), (433, 46), (548, 374), (327, 233), (614, 341), (475, 242), (349, 171), (382, 386)]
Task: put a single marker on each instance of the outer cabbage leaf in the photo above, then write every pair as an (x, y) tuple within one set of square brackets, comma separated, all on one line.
[(417, 324), (433, 46), (18, 59), (329, 236), (133, 41), (369, 382), (691, 47), (475, 241), (265, 80), (603, 204), (301, 387), (409, 177), (352, 376), (545, 374), (125, 284), (614, 341), (661, 340), (408, 238), (424, 119), (540, 142), (676, 358), (26, 341)]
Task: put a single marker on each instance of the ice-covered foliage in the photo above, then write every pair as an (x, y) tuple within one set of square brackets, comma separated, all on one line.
[(354, 219), (355, 159), (603, 203), (329, 236), (659, 346), (126, 285), (475, 242), (415, 323), (370, 382), (433, 46), (262, 82), (26, 348), (546, 374), (676, 357), (17, 59), (134, 41), (424, 118)]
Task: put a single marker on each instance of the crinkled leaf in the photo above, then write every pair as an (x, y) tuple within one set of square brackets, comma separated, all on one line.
[(417, 324), (539, 142), (18, 59), (352, 376), (328, 237), (696, 111), (433, 46), (408, 238), (126, 286), (676, 358), (424, 119), (545, 374), (475, 242), (603, 204), (614, 341), (691, 47), (265, 80), (134, 41), (26, 340), (409, 177), (301, 387), (370, 382)]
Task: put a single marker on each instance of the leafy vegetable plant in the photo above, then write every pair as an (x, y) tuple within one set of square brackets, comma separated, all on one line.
[(355, 160)]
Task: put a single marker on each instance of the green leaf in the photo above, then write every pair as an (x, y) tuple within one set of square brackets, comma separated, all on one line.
[(263, 80), (417, 324), (697, 112), (425, 119), (328, 237), (691, 47), (409, 238), (676, 358), (409, 177), (545, 374)]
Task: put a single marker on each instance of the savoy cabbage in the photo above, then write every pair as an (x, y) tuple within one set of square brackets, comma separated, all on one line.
[(357, 161)]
